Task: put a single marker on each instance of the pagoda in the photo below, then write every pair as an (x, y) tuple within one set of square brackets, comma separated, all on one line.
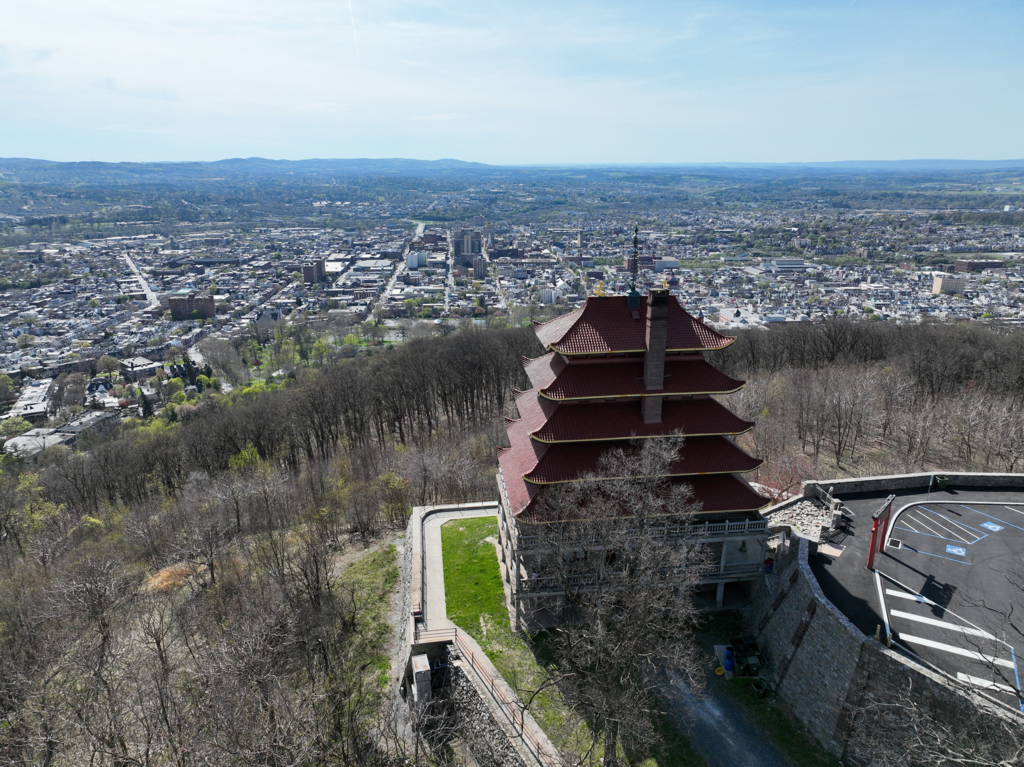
[(617, 369)]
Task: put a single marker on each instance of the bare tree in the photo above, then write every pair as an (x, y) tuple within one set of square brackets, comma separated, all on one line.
[(902, 731), (623, 590)]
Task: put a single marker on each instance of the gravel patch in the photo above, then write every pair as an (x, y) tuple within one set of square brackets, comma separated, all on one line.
[(806, 518)]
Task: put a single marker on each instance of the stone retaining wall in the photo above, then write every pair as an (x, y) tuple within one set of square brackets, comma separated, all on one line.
[(811, 647), (909, 481), (475, 724), (825, 669)]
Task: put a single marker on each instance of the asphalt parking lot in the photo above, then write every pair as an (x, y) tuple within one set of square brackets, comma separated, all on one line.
[(948, 586)]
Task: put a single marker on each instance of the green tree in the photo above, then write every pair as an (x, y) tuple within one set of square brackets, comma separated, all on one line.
[(6, 387), (174, 386), (25, 340), (253, 352), (108, 364), (13, 426), (145, 404), (321, 350), (245, 460)]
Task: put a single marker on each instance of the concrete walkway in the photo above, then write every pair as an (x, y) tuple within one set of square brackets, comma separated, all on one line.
[(523, 732), (436, 611)]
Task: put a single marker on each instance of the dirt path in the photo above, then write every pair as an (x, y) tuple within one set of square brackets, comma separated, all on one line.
[(719, 728)]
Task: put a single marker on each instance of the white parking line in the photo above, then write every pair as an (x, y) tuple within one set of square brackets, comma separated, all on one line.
[(965, 528), (936, 532), (942, 624), (885, 618), (956, 650), (912, 597), (951, 532), (984, 684)]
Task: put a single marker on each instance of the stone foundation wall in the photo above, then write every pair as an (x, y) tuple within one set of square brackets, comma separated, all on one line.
[(825, 669), (912, 481), (812, 648), (476, 726)]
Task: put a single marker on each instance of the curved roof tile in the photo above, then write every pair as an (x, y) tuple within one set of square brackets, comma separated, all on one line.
[(604, 325)]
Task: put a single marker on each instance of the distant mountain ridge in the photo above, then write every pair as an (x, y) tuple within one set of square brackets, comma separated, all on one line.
[(31, 170), (46, 171)]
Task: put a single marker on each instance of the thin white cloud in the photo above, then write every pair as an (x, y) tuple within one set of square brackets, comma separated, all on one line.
[(574, 81), (439, 118)]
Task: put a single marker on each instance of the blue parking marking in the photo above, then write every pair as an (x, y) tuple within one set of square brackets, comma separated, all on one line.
[(960, 551), (929, 554), (940, 537), (992, 526), (997, 519)]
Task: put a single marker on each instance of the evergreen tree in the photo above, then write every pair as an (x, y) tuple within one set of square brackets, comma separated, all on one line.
[(146, 405)]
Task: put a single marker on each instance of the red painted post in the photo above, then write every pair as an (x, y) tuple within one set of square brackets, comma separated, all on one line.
[(884, 529), (879, 521), (871, 548)]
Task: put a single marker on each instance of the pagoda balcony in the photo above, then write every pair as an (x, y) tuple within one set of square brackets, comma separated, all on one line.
[(705, 531)]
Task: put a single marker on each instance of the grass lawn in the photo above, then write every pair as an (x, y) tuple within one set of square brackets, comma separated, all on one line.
[(371, 581), (476, 604)]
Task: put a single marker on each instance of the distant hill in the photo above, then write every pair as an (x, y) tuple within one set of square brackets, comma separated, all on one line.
[(894, 166), (31, 171), (46, 171), (912, 165)]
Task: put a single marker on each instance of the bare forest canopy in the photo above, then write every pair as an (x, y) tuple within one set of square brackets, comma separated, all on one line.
[(179, 593), (865, 398)]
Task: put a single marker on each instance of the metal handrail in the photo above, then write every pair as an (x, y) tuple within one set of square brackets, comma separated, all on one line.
[(500, 696), (671, 531)]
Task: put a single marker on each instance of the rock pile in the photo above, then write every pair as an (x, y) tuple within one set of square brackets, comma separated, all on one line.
[(806, 518)]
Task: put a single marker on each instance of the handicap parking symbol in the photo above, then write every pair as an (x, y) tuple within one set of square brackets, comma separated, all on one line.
[(992, 526), (960, 551)]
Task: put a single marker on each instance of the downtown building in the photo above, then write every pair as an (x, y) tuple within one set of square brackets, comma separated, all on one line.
[(617, 369)]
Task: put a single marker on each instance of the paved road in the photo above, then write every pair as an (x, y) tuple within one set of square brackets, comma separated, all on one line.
[(150, 295), (450, 282), (718, 727)]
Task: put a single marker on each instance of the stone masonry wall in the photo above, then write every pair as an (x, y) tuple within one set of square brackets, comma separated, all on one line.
[(812, 648), (476, 726), (825, 669), (912, 481), (886, 675)]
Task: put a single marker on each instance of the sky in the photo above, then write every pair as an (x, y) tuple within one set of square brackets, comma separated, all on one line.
[(524, 82)]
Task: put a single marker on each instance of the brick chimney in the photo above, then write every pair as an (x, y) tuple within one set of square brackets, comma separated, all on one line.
[(654, 358)]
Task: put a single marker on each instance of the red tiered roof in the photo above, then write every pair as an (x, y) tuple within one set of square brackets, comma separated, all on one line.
[(609, 421), (604, 325), (626, 379), (542, 371), (561, 433), (712, 493), (565, 462)]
